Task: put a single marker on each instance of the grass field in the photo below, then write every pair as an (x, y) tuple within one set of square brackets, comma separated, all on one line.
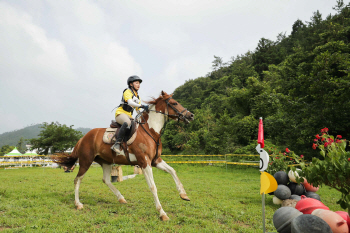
[(42, 200)]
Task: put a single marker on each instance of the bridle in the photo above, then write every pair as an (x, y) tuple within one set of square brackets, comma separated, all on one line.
[(180, 116)]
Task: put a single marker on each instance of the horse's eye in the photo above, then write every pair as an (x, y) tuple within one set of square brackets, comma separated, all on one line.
[(174, 103)]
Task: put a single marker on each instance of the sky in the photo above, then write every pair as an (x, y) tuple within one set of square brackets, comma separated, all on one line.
[(68, 61)]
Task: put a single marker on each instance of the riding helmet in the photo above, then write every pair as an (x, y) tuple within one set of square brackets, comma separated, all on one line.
[(134, 78)]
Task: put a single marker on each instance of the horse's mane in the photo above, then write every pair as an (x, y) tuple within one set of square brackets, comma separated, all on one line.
[(161, 97)]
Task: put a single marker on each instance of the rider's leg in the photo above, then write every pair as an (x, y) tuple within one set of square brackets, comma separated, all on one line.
[(124, 120), (121, 118)]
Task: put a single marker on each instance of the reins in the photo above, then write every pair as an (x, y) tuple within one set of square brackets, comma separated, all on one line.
[(180, 116)]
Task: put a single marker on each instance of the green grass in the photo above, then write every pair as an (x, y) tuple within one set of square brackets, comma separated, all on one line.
[(42, 200)]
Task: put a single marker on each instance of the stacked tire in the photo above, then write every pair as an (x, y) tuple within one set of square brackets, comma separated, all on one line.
[(288, 188), (308, 213)]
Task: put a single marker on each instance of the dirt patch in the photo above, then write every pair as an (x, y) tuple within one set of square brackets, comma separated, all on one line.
[(242, 224), (4, 228)]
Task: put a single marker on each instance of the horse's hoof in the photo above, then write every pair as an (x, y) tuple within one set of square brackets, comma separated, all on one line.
[(122, 201), (164, 217), (80, 207), (184, 197)]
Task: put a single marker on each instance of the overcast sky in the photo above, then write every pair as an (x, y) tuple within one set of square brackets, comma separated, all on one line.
[(68, 61)]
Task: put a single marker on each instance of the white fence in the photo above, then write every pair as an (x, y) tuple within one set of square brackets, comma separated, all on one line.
[(26, 161)]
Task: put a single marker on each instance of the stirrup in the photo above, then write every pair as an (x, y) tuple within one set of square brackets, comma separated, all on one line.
[(116, 148)]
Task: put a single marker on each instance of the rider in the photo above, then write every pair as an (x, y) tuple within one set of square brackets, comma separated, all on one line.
[(123, 114)]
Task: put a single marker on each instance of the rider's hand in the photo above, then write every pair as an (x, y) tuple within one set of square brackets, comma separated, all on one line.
[(145, 107)]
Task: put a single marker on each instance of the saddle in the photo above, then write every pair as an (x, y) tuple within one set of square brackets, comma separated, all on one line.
[(109, 137)]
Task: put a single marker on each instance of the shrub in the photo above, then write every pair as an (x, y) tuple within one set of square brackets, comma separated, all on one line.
[(333, 170), (280, 161)]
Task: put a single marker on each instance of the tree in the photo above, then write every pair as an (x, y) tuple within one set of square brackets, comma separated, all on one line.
[(6, 149), (55, 137), (217, 63), (21, 146), (267, 53), (340, 5), (297, 26)]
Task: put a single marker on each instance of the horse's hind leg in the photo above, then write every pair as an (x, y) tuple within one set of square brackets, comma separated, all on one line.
[(77, 182), (84, 166), (165, 167), (107, 180)]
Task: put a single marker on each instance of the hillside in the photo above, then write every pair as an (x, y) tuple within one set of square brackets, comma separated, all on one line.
[(12, 138), (298, 84), (29, 132)]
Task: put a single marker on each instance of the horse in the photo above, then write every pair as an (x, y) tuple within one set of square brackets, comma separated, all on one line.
[(145, 151)]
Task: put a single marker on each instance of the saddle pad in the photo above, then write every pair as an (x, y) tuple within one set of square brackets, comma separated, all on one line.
[(132, 138), (108, 136)]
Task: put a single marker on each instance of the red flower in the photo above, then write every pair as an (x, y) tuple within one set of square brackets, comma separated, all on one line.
[(301, 156), (315, 140), (322, 139), (338, 141), (284, 153), (339, 136), (276, 157), (326, 144), (314, 146), (324, 130), (349, 159), (291, 159), (318, 136), (287, 150)]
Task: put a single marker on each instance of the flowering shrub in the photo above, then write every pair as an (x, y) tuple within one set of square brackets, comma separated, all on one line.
[(333, 170), (280, 161)]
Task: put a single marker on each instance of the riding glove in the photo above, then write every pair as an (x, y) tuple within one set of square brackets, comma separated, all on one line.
[(145, 107)]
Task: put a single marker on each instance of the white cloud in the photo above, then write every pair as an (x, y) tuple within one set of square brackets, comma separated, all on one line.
[(63, 79), (179, 70), (25, 45), (163, 39)]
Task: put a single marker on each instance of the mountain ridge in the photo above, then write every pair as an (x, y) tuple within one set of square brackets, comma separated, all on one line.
[(29, 132)]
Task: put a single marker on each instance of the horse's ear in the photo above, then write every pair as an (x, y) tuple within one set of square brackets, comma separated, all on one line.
[(164, 93)]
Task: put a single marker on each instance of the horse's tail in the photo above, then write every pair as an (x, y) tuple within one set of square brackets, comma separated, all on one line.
[(65, 159)]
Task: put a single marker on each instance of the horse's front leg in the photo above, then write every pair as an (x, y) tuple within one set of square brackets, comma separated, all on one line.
[(165, 167), (147, 171)]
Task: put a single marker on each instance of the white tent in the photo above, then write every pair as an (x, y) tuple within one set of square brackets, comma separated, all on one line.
[(30, 153), (14, 153)]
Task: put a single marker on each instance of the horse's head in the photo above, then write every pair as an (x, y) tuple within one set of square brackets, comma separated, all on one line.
[(167, 105)]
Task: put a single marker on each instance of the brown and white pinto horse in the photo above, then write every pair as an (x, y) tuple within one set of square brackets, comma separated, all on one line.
[(142, 152)]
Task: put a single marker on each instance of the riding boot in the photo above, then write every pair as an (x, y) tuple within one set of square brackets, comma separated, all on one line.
[(117, 145)]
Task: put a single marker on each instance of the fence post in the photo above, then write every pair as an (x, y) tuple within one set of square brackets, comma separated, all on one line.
[(137, 170), (117, 174)]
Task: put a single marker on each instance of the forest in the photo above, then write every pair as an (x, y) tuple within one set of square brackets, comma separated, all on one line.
[(298, 83)]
